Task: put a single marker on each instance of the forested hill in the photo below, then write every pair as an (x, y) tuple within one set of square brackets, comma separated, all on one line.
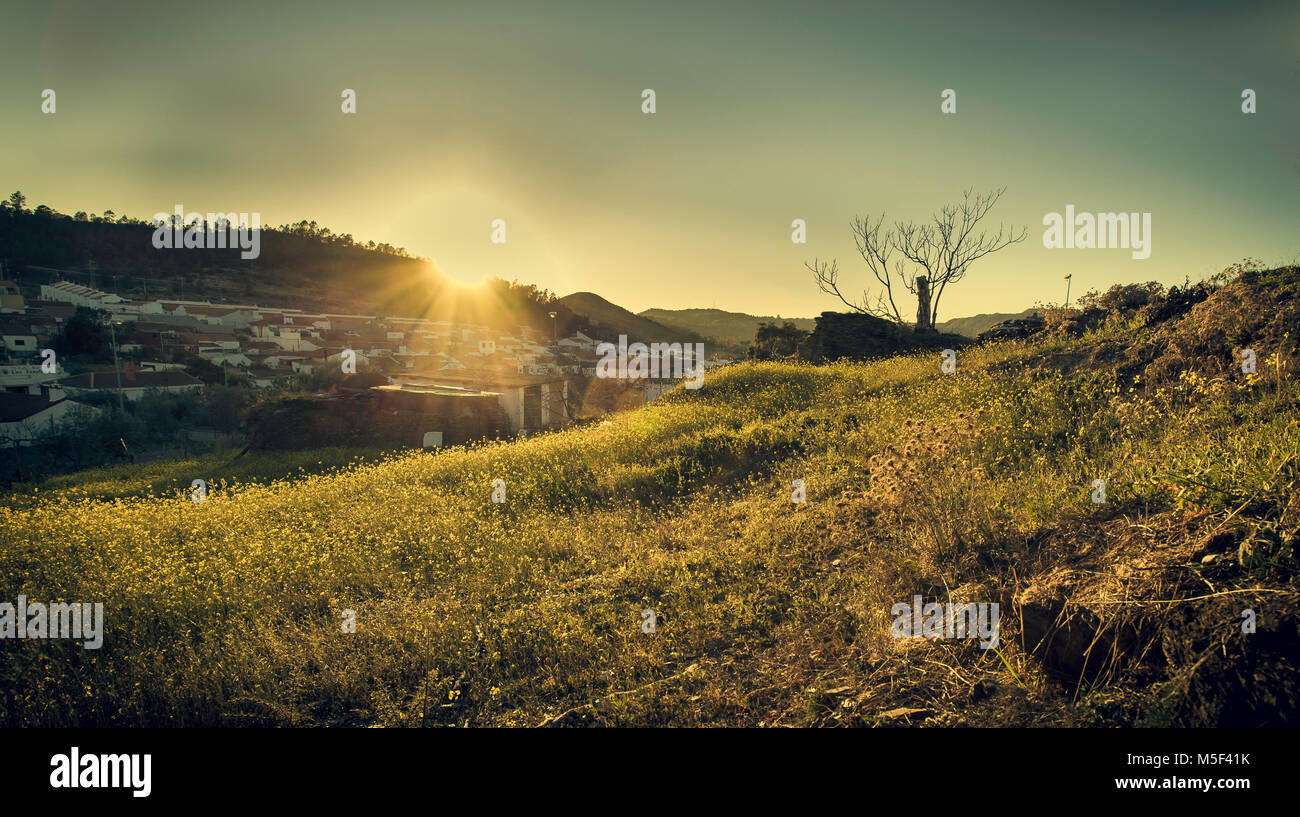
[(294, 257), (303, 265)]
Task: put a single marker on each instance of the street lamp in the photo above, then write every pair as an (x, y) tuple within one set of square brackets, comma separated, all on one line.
[(555, 332), (1067, 290)]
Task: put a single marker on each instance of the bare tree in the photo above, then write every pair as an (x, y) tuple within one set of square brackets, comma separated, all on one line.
[(939, 254), (876, 250)]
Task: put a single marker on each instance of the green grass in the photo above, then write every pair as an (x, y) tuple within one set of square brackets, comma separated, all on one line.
[(172, 476)]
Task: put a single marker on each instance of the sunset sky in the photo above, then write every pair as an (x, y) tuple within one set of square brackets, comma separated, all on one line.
[(766, 112)]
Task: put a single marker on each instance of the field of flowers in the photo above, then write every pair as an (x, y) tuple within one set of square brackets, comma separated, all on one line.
[(768, 612)]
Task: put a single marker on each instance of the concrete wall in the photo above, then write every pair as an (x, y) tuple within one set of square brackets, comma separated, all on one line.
[(380, 418)]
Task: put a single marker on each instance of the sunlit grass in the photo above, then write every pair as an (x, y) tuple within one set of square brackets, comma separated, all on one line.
[(470, 612)]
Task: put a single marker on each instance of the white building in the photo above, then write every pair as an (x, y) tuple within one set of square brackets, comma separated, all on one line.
[(24, 417), (133, 384), (26, 378), (78, 295)]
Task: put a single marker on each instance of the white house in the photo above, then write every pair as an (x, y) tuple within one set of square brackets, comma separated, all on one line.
[(219, 357), (17, 340), (23, 417)]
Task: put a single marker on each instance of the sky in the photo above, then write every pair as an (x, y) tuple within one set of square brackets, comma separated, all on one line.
[(765, 113)]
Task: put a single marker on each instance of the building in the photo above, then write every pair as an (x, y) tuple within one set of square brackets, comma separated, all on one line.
[(26, 378), (530, 402), (77, 295), (134, 384), (263, 378), (18, 339), (376, 414), (24, 417), (11, 298)]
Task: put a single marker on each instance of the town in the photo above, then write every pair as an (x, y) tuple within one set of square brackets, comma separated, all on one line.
[(528, 381)]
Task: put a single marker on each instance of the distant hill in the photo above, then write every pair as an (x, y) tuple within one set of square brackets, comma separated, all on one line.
[(613, 320), (972, 326), (740, 327), (734, 327)]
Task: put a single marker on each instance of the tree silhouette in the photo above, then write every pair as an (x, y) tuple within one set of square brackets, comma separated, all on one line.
[(925, 257)]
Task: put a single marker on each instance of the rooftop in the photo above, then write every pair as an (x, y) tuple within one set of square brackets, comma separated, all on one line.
[(443, 390), (15, 408)]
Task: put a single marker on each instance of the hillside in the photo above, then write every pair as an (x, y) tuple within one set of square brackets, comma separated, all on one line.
[(300, 265), (614, 320), (975, 324), (734, 327), (740, 328), (976, 486), (316, 267)]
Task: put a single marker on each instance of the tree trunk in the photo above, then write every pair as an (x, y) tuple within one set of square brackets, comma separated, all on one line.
[(923, 323)]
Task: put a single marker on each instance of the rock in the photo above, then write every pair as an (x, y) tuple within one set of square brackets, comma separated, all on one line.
[(904, 714), (857, 336), (1014, 328), (1079, 324)]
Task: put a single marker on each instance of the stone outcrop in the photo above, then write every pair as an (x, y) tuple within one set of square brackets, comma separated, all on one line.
[(1014, 328), (856, 336)]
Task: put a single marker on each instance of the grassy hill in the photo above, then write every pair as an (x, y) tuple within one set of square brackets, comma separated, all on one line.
[(734, 327), (973, 486), (614, 320)]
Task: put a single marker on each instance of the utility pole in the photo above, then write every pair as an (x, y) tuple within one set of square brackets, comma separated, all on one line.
[(1067, 290), (118, 369)]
